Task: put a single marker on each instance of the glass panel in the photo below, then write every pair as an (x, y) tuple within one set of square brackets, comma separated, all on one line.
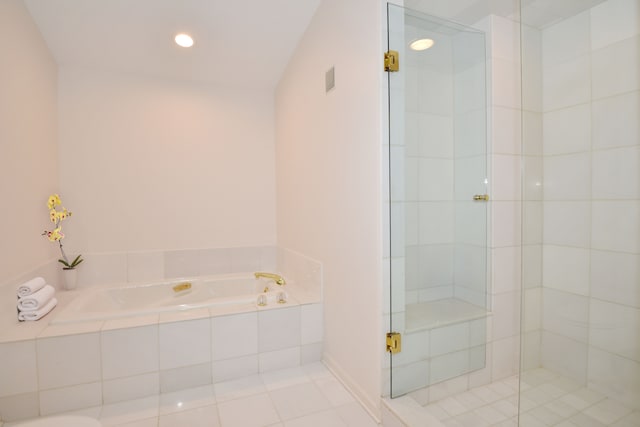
[(438, 163), (581, 239)]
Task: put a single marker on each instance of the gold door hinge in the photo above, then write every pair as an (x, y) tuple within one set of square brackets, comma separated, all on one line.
[(394, 342), (391, 61)]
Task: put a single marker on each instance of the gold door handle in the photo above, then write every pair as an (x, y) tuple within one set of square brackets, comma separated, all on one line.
[(483, 197)]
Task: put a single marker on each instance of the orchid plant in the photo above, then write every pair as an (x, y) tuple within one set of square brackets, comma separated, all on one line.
[(57, 216)]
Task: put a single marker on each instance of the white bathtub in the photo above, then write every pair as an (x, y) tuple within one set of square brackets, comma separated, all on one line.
[(102, 303)]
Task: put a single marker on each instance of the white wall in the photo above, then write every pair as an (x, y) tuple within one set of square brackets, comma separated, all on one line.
[(328, 177), (28, 152), (150, 164)]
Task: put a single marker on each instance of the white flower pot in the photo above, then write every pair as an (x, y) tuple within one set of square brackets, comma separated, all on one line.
[(70, 277)]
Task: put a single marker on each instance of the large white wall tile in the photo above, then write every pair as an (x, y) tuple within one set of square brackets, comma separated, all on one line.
[(410, 377), (448, 339), (145, 266), (614, 328), (505, 357), (184, 343), (311, 321), (470, 130), (18, 370), (181, 263), (566, 269), (130, 351), (603, 366), (411, 179), (238, 367), (278, 329), (615, 121), (567, 130), (506, 223), (506, 314), (565, 314), (567, 177), (566, 40), (214, 261), (435, 136), (131, 388), (532, 266), (615, 226), (246, 259), (531, 69), (532, 226), (506, 170), (506, 269), (616, 173), (564, 356), (103, 268), (279, 359), (435, 91), (186, 377), (616, 68), (70, 398), (531, 346), (613, 21), (436, 179), (435, 265), (234, 336), (532, 309), (436, 222), (68, 360), (471, 175), (566, 83), (448, 366), (532, 133), (505, 38), (20, 406), (505, 83), (411, 133), (567, 223), (615, 277), (507, 130)]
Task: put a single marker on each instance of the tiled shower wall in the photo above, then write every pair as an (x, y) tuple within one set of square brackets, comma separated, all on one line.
[(590, 295)]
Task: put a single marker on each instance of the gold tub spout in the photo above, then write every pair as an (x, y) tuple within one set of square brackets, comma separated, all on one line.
[(275, 277), (182, 287)]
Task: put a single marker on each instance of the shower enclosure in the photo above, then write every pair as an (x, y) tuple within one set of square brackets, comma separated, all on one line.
[(438, 181), (533, 296)]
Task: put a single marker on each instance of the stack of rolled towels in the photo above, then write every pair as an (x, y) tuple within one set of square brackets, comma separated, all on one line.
[(35, 299)]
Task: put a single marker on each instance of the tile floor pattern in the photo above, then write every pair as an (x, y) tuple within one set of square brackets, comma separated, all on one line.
[(547, 399), (308, 396)]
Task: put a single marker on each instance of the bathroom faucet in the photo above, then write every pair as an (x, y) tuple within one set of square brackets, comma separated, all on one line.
[(275, 277)]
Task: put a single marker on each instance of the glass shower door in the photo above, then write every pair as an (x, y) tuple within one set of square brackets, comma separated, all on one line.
[(438, 189)]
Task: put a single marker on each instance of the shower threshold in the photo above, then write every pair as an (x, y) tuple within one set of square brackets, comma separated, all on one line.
[(435, 314)]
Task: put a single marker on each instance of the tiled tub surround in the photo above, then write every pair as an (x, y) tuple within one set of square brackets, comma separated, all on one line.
[(49, 369)]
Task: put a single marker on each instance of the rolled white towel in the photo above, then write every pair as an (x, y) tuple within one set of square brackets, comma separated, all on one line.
[(38, 314), (30, 287), (36, 300)]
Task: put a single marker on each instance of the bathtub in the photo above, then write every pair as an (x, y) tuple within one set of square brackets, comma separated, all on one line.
[(110, 302)]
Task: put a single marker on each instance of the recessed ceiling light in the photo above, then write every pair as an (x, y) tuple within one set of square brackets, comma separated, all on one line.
[(421, 44), (184, 40)]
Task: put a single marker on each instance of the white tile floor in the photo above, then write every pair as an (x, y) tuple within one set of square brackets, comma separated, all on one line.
[(308, 396), (547, 399)]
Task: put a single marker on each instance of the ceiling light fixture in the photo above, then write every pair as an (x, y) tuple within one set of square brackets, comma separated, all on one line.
[(184, 40), (421, 44)]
